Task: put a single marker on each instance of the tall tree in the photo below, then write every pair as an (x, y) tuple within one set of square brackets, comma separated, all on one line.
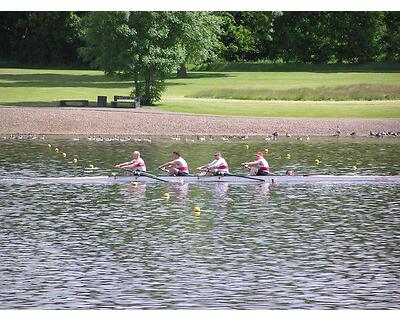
[(146, 46), (391, 38), (247, 35), (328, 36), (200, 39), (40, 37)]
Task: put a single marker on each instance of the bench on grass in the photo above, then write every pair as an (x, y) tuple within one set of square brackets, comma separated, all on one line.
[(82, 103), (133, 102)]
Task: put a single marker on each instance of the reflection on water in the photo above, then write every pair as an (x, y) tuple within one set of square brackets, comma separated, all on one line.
[(255, 246)]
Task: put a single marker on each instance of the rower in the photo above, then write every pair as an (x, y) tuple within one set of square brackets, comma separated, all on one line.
[(136, 165), (259, 167), (218, 167), (176, 167)]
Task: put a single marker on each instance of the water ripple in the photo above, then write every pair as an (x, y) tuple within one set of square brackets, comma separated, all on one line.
[(252, 247)]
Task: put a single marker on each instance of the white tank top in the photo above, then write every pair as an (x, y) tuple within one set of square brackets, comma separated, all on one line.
[(181, 165), (141, 166), (263, 165), (221, 165)]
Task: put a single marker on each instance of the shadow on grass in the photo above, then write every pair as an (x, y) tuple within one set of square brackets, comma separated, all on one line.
[(207, 75), (49, 80), (196, 75), (299, 67), (62, 80)]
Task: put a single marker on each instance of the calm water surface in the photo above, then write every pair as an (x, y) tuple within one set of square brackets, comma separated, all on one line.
[(82, 246)]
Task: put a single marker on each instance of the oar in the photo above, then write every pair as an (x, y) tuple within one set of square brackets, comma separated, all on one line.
[(145, 174), (243, 176)]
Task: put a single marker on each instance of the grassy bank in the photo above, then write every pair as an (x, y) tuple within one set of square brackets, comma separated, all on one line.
[(340, 93), (295, 67), (44, 87), (285, 109)]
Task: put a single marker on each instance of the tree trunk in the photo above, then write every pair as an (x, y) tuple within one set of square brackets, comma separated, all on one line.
[(182, 72), (147, 84), (136, 84)]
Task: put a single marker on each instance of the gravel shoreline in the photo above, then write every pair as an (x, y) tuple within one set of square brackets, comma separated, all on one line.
[(153, 122)]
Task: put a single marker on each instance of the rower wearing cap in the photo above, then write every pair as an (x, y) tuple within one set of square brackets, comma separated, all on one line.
[(176, 167), (217, 167), (136, 165), (259, 167)]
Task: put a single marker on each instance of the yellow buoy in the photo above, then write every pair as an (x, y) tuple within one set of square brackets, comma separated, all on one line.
[(91, 166), (75, 160), (196, 209), (113, 174), (317, 162), (57, 150), (64, 155), (49, 145), (166, 195), (288, 156), (134, 184), (247, 146), (266, 150), (354, 168)]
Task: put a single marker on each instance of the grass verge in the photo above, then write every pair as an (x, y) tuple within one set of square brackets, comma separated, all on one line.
[(340, 93), (285, 109)]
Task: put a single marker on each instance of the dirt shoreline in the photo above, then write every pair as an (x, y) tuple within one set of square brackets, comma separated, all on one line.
[(153, 122)]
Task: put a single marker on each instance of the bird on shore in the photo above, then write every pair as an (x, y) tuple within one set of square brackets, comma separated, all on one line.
[(338, 132), (353, 133)]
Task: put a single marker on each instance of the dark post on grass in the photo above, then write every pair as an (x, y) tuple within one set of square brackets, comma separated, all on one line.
[(102, 101)]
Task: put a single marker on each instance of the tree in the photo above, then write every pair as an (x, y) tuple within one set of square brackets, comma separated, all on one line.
[(321, 37), (392, 36), (200, 39), (146, 46), (40, 37), (247, 35)]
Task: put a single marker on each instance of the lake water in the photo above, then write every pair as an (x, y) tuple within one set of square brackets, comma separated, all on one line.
[(82, 246)]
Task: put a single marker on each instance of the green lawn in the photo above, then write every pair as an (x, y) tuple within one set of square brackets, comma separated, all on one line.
[(45, 87)]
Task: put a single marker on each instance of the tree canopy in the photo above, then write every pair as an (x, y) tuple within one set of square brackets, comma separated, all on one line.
[(304, 37), (147, 46)]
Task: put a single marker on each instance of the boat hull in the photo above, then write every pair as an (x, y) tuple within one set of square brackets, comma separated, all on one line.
[(327, 179)]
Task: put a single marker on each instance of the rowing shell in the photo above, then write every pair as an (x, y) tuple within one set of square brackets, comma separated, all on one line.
[(327, 179)]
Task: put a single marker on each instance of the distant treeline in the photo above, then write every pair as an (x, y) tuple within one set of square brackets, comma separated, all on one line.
[(53, 38)]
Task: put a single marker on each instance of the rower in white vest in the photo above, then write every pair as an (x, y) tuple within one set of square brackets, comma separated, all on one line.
[(218, 166), (259, 167), (176, 167), (137, 164)]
